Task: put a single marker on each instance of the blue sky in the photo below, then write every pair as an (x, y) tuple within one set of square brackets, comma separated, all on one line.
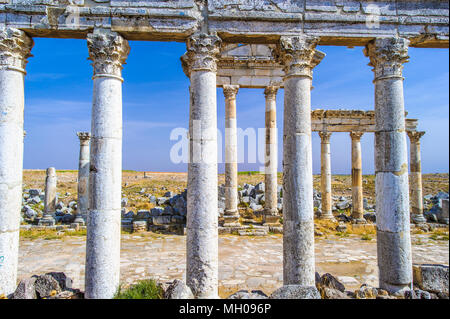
[(58, 90)]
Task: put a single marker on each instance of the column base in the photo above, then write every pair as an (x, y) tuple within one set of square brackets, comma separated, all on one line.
[(359, 221), (327, 216), (418, 219), (271, 220), (47, 221), (231, 221), (79, 220)]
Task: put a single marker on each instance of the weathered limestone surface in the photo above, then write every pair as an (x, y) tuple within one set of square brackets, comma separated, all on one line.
[(50, 198), (325, 175), (415, 178), (108, 52), (15, 47), (391, 164), (357, 187), (297, 55), (350, 22), (200, 64), (83, 178), (231, 214), (271, 155)]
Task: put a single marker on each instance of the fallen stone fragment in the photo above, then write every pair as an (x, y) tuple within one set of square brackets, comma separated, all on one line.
[(178, 290), (295, 292), (431, 278), (329, 281), (26, 289), (244, 294)]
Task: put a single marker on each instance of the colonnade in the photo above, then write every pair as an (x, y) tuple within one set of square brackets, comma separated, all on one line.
[(108, 52)]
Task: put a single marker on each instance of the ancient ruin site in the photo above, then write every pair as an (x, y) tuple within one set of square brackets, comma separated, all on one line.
[(224, 149)]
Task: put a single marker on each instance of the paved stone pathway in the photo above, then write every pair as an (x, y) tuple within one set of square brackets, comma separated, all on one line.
[(245, 262)]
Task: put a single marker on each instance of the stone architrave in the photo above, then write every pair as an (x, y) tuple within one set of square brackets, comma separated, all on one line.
[(108, 52), (297, 56), (202, 265), (387, 56), (15, 49)]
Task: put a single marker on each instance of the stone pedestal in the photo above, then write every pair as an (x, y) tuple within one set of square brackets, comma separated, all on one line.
[(325, 176), (357, 187), (415, 178), (50, 199), (271, 216), (387, 56), (202, 266), (297, 56), (108, 52), (83, 178), (231, 213), (15, 48)]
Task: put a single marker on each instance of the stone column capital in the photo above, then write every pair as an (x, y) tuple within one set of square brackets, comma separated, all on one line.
[(108, 52), (271, 92), (387, 56), (203, 51), (325, 137), (84, 137), (15, 49), (356, 136), (230, 91), (298, 55), (414, 136)]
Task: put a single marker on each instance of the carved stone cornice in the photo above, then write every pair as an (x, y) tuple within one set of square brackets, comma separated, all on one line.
[(84, 136), (415, 136), (230, 91), (108, 52), (387, 56), (271, 92), (203, 52), (325, 137), (15, 49), (356, 136), (296, 54)]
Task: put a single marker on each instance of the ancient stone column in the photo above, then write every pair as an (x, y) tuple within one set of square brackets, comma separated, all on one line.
[(325, 176), (83, 178), (387, 56), (297, 56), (50, 198), (357, 187), (200, 64), (271, 216), (108, 52), (231, 213), (15, 48), (415, 178)]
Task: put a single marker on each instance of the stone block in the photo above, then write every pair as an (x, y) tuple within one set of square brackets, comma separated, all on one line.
[(162, 220), (431, 278)]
